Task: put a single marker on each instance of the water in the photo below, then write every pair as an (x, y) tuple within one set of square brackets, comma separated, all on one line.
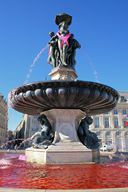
[(17, 173), (16, 144)]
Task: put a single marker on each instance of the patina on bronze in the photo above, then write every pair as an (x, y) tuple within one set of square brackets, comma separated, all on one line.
[(89, 98), (42, 139), (88, 138), (93, 98), (62, 45)]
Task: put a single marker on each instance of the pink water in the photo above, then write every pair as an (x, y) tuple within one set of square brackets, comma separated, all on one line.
[(16, 173)]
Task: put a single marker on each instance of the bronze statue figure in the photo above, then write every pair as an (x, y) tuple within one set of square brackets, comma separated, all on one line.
[(87, 138), (53, 55), (43, 138), (62, 45)]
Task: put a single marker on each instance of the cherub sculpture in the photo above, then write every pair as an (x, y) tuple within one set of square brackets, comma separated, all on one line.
[(43, 138), (62, 45), (87, 138)]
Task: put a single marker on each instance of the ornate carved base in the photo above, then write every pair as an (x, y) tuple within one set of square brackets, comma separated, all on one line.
[(66, 147), (65, 122), (63, 73)]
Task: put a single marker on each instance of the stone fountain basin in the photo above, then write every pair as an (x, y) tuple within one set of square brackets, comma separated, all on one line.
[(90, 97)]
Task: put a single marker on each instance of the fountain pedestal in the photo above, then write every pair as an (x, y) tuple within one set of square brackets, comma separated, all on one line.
[(62, 153), (62, 73), (66, 147)]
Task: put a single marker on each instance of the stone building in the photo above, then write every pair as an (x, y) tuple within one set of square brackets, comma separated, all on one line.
[(27, 127), (3, 119), (33, 124), (19, 132), (111, 128)]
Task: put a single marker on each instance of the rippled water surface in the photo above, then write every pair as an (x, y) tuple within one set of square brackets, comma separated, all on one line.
[(15, 172)]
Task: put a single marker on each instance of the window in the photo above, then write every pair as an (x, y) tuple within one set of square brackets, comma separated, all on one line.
[(125, 123), (99, 135), (34, 124), (116, 125), (106, 122), (96, 122), (115, 112), (123, 99), (108, 138), (124, 112)]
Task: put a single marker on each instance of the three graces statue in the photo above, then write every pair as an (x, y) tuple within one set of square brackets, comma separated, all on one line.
[(62, 45)]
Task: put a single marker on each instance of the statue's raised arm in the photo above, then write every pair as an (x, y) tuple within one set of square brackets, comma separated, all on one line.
[(62, 45)]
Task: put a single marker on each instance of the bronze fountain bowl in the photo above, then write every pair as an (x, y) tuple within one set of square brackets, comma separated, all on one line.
[(90, 97)]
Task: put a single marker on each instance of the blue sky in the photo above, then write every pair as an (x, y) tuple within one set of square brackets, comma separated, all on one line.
[(101, 27)]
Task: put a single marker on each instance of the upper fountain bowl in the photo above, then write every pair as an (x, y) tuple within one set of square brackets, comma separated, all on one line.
[(90, 97)]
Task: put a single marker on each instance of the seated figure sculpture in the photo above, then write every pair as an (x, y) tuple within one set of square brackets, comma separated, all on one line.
[(43, 138), (87, 138), (62, 45)]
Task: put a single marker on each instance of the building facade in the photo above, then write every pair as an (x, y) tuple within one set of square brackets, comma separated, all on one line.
[(3, 119), (111, 128), (27, 127)]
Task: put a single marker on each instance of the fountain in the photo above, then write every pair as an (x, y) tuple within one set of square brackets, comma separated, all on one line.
[(64, 105)]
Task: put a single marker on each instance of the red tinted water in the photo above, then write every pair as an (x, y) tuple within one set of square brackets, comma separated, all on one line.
[(19, 174)]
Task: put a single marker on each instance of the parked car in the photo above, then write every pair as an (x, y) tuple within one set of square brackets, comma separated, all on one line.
[(103, 148), (106, 147)]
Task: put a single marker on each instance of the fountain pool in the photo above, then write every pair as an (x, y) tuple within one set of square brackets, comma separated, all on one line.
[(17, 173)]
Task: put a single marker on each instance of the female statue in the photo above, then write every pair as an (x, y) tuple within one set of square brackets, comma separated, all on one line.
[(62, 46)]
